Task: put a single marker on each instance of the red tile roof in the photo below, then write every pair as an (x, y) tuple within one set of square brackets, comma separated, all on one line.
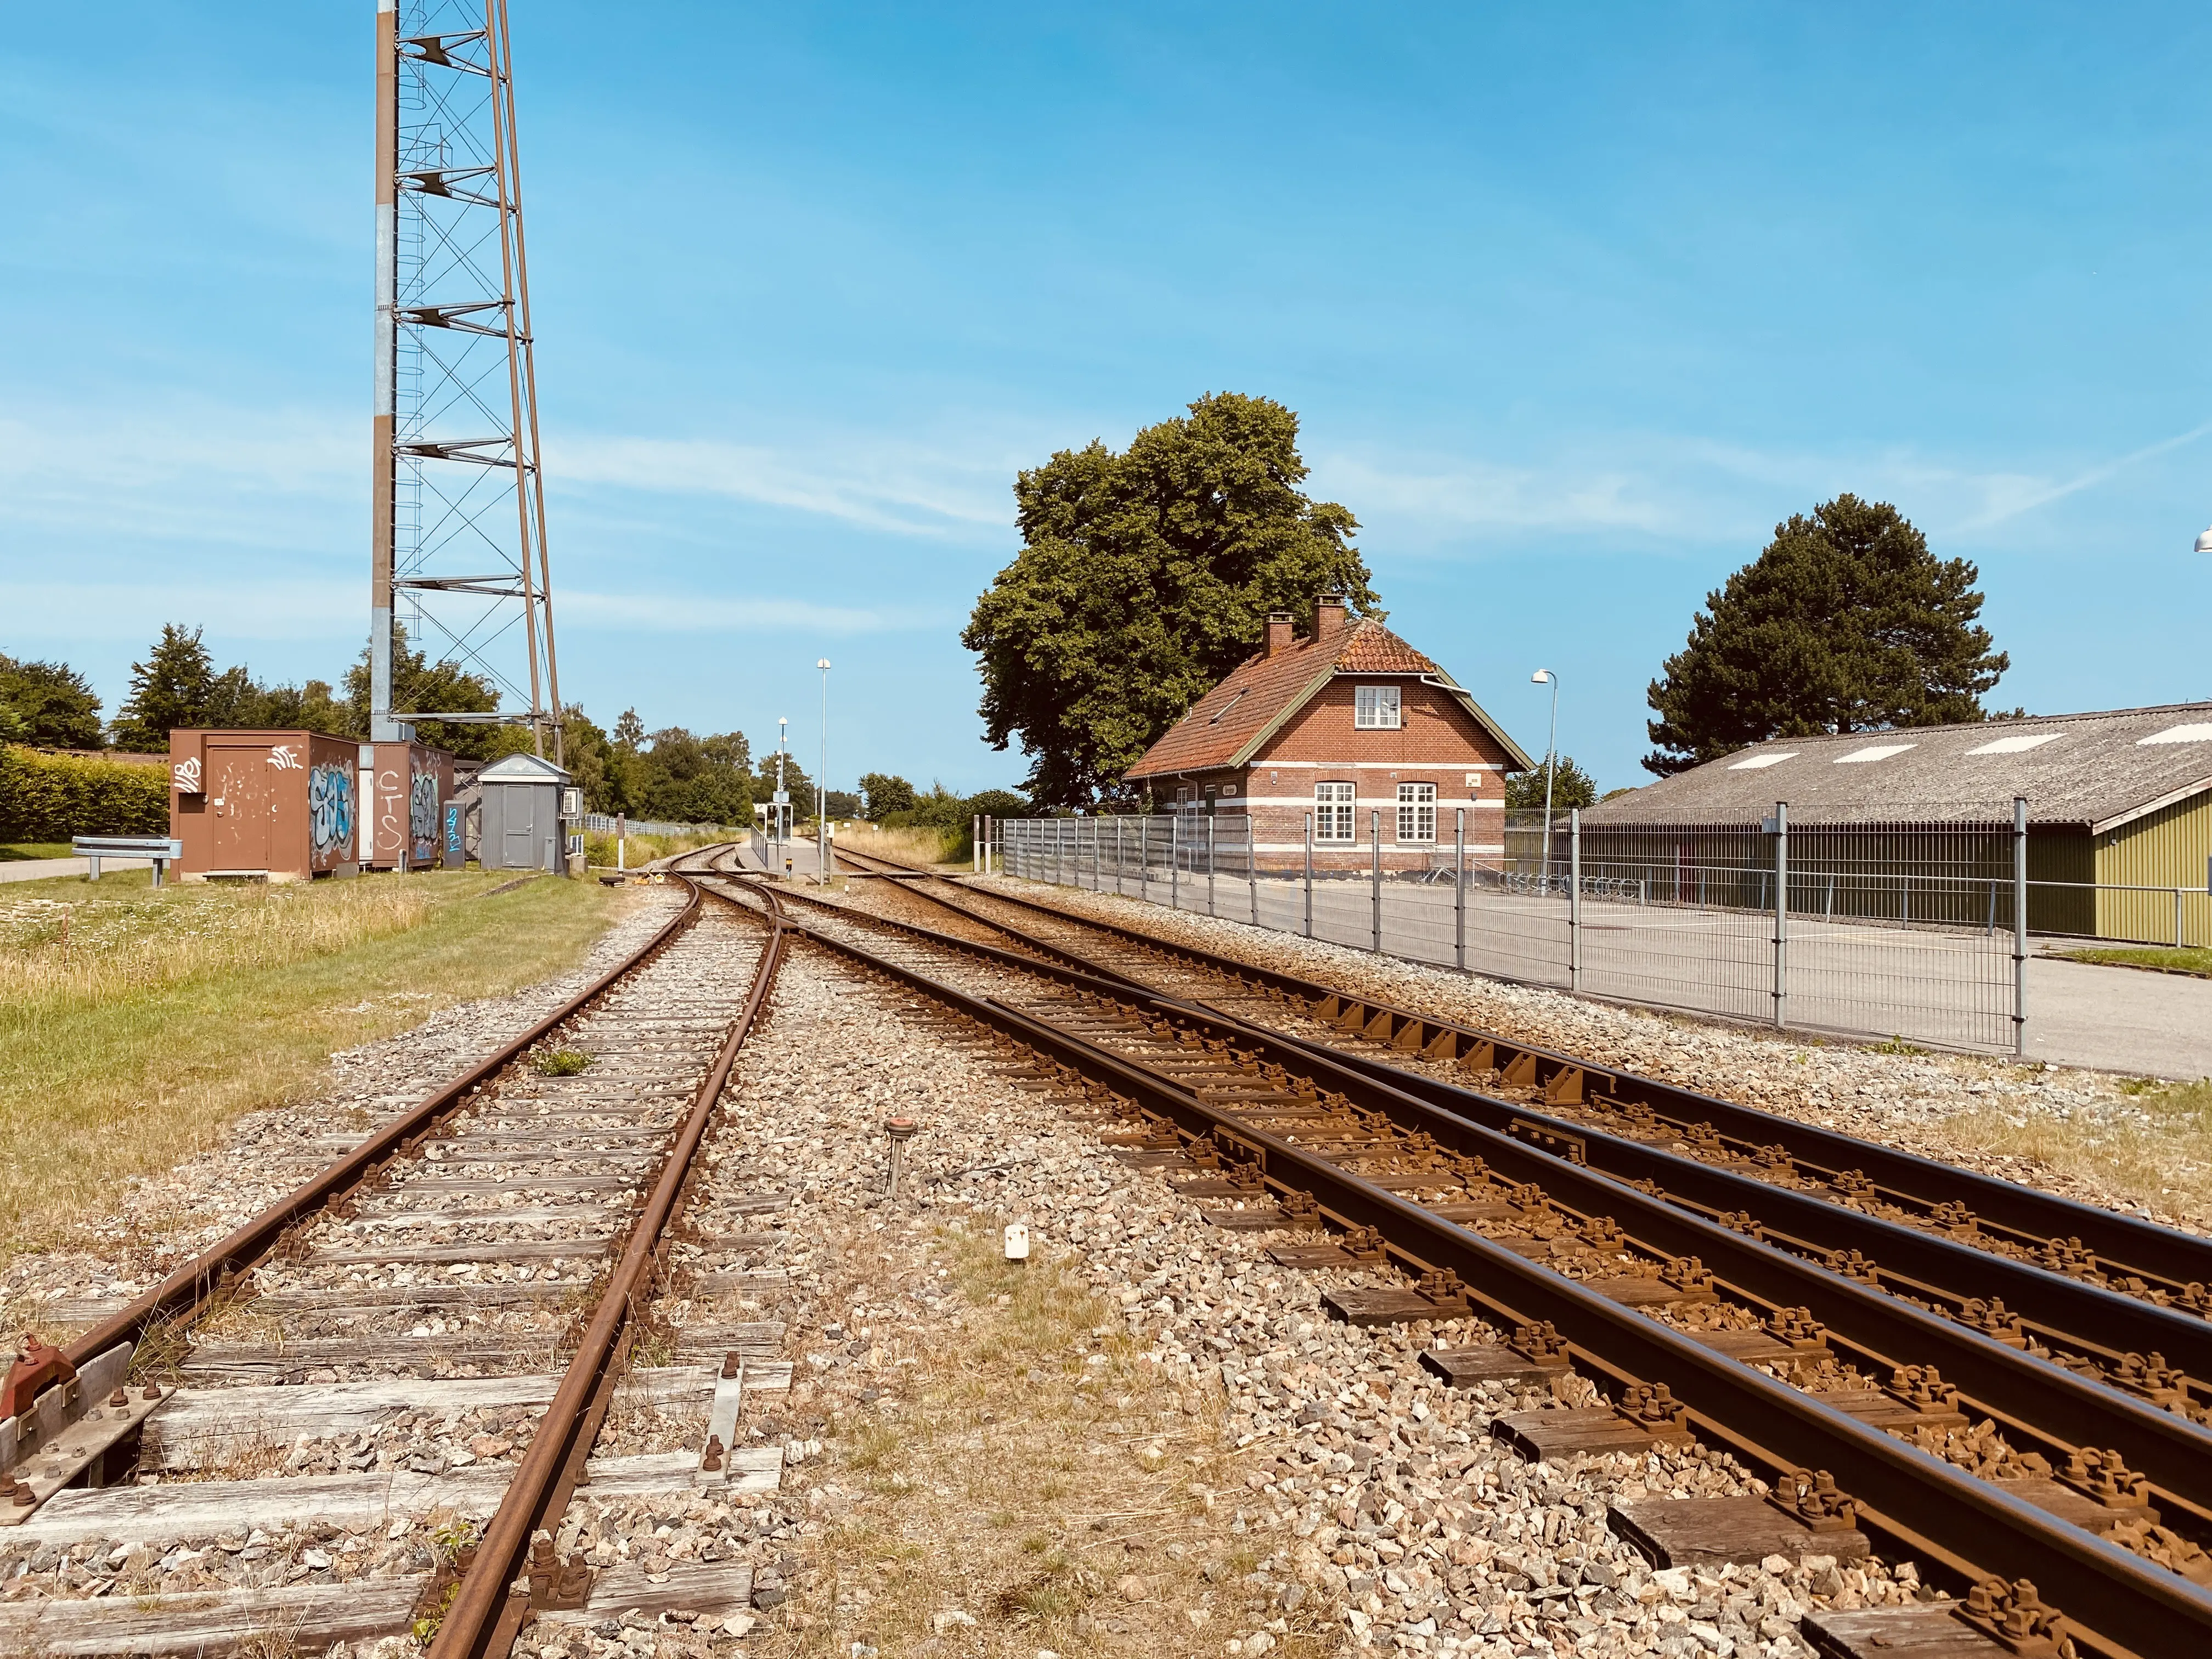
[(1259, 692)]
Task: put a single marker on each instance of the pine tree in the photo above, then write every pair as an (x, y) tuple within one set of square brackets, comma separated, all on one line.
[(173, 687), (1846, 623)]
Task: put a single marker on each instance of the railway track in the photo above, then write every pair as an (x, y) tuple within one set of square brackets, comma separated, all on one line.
[(1556, 1234), (1991, 1453), (427, 1337)]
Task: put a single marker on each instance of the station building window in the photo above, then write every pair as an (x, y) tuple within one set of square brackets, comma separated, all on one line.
[(1332, 811), (1417, 811), (1375, 707)]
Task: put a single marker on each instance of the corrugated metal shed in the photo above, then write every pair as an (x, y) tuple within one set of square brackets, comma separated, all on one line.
[(2097, 772)]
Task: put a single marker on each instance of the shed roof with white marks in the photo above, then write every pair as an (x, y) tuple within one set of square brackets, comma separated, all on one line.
[(2100, 770)]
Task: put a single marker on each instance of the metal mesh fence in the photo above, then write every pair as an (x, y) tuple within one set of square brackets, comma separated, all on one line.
[(1905, 930)]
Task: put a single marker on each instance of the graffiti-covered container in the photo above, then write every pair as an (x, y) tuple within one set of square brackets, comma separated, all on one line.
[(407, 784), (282, 806)]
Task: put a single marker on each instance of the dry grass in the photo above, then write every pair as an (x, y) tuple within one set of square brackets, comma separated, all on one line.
[(61, 954), (1019, 1473), (911, 844), (2164, 1162), (135, 1025), (640, 850)]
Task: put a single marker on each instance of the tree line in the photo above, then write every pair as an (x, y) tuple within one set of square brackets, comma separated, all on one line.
[(1145, 576), (672, 774)]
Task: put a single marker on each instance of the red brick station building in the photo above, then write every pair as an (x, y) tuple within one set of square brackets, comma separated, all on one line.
[(1348, 723)]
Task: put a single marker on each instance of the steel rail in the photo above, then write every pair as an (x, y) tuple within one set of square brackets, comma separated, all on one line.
[(1932, 1266), (2030, 1396), (2140, 1247), (486, 1613), (185, 1293), (2118, 1604), (2121, 1242)]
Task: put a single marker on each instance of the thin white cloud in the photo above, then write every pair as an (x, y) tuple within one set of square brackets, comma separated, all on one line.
[(1675, 490), (892, 486), (688, 614), (234, 607)]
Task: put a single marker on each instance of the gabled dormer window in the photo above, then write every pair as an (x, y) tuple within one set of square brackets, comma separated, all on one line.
[(1375, 707)]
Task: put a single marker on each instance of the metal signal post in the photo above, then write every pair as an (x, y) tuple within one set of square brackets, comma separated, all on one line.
[(458, 558)]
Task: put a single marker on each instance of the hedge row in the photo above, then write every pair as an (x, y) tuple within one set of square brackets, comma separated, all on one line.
[(53, 797)]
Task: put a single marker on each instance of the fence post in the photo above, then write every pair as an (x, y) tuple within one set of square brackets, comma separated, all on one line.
[(1252, 869), (1096, 884), (976, 844), (1145, 858), (1374, 831), (2177, 918), (1781, 914), (1574, 898), (2019, 926), (1118, 861), (1458, 887), (1209, 864), (1309, 875), (1175, 861)]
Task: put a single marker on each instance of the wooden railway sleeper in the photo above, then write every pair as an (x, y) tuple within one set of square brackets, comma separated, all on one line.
[(2006, 1201), (2140, 1618)]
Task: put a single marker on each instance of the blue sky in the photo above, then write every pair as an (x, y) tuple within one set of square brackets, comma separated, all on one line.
[(1574, 304)]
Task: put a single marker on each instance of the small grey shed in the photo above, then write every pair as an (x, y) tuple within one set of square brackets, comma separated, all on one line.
[(521, 826)]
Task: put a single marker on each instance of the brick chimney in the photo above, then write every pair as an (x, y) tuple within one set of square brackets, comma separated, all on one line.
[(1328, 615), (1279, 632)]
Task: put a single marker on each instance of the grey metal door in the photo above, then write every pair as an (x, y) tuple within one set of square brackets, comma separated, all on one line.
[(518, 838)]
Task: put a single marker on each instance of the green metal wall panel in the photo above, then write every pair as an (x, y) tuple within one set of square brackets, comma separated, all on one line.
[(2167, 848), (2061, 855)]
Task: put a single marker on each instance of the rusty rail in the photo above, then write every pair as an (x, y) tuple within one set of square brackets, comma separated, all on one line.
[(486, 1612), (185, 1293), (2121, 1605), (2121, 1242)]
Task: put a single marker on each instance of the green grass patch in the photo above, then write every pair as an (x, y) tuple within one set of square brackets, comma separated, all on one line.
[(16, 852), (136, 1023), (2183, 959)]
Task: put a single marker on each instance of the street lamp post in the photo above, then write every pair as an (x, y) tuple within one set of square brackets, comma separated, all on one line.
[(781, 805), (822, 788), (1546, 677)]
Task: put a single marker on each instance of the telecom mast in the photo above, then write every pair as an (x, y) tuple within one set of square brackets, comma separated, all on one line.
[(459, 554)]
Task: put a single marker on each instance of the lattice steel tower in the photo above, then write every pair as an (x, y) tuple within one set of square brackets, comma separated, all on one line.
[(459, 499)]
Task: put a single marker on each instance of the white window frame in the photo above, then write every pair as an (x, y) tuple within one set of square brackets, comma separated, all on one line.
[(1377, 707), (1335, 804), (1417, 812)]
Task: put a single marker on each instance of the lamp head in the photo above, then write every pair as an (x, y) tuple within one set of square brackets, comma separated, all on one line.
[(825, 663), (2204, 542), (1541, 677)]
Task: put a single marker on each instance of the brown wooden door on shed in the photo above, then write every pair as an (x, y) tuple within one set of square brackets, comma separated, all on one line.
[(241, 796)]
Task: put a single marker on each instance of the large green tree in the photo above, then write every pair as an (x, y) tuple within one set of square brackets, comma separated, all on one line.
[(47, 703), (1143, 578), (418, 683), (173, 687), (1846, 623), (887, 792)]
